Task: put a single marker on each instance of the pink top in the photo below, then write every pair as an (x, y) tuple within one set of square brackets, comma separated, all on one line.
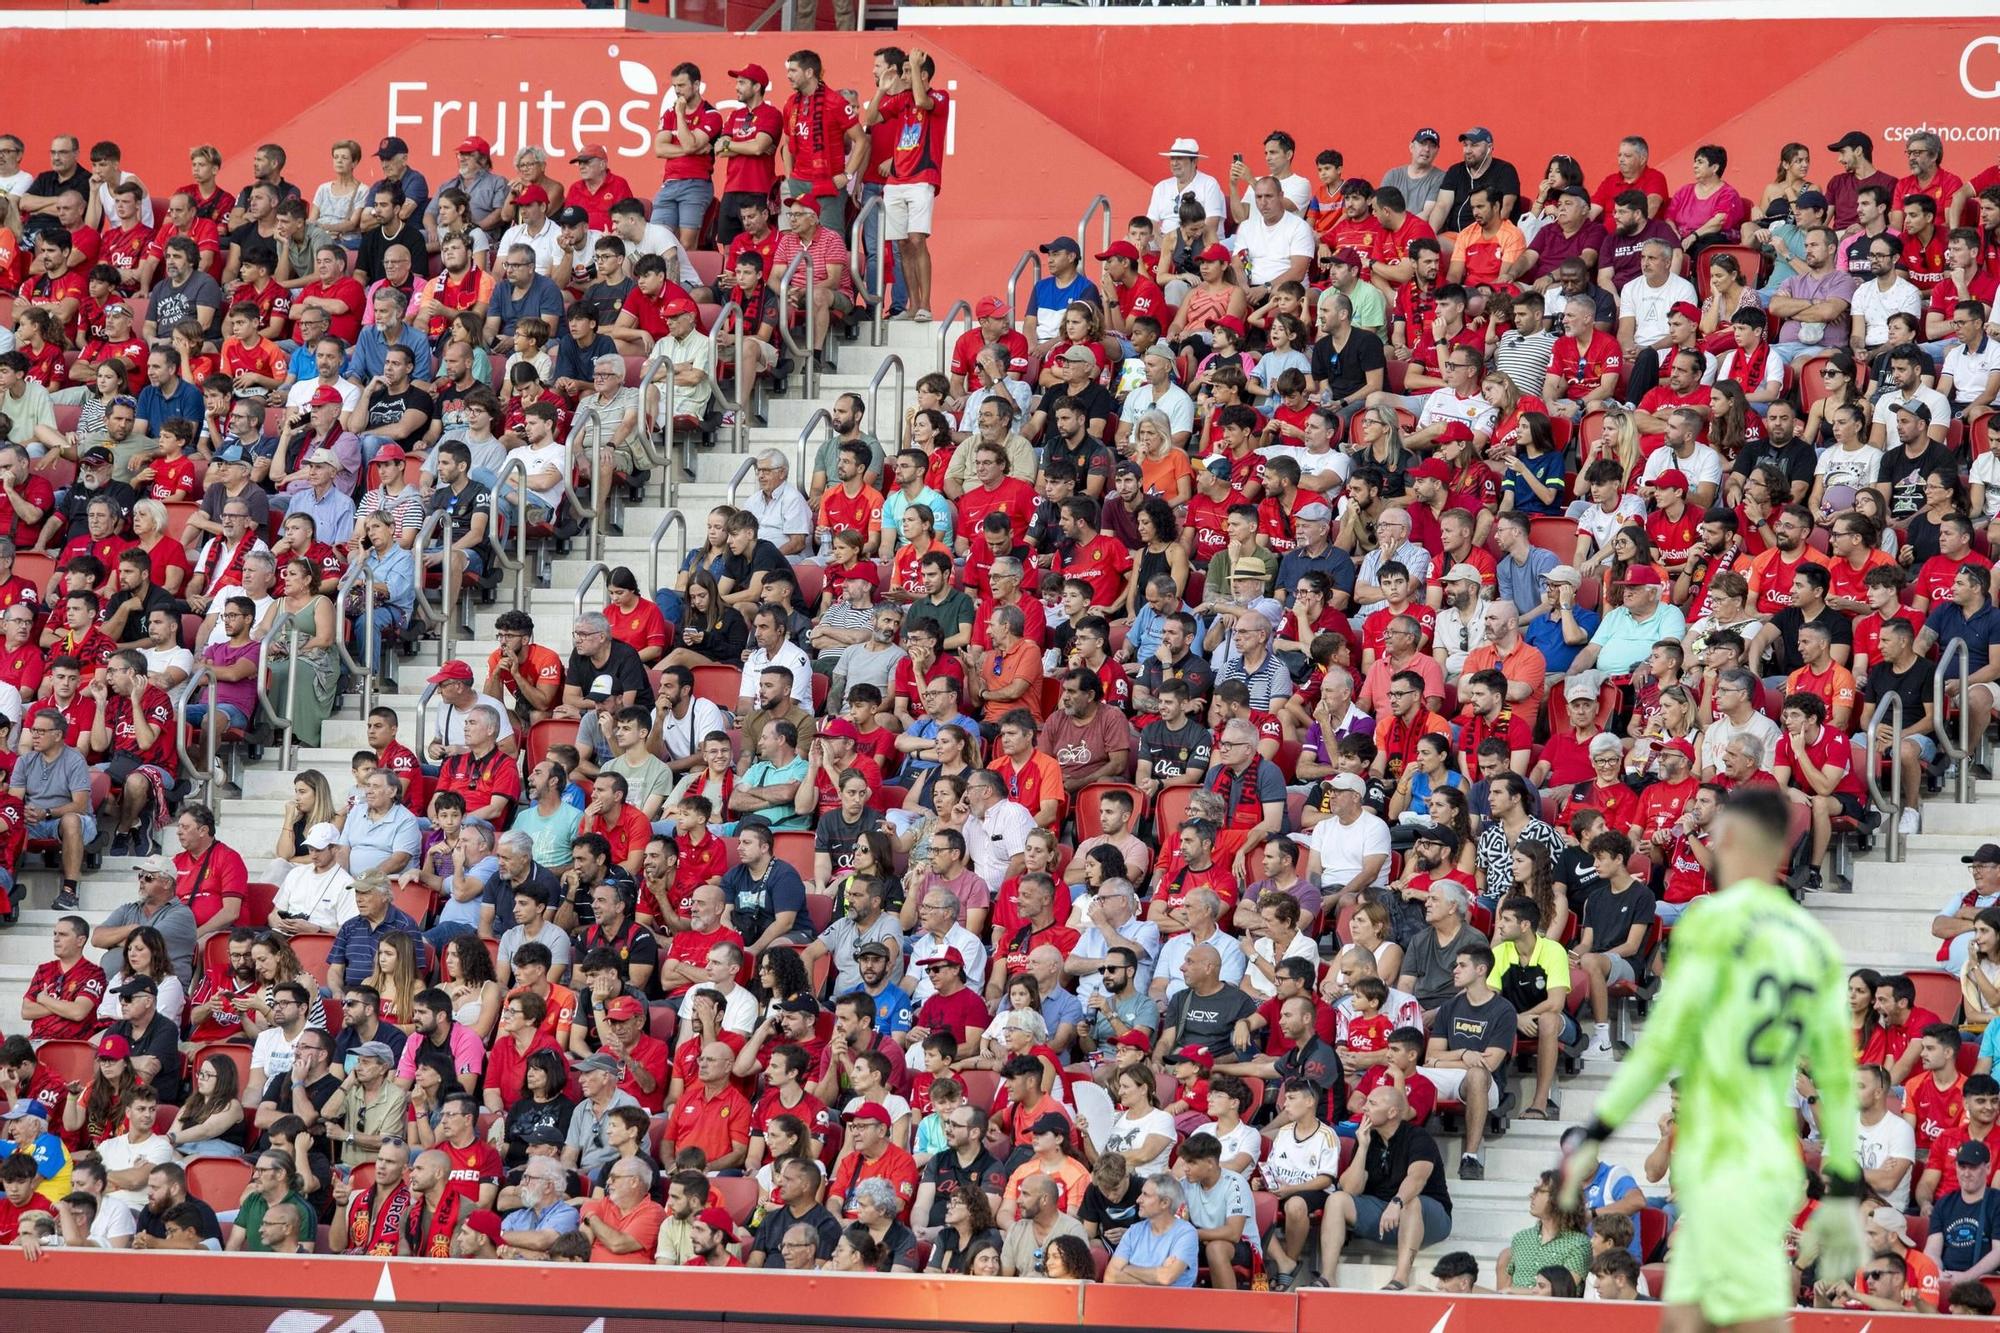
[(1688, 212)]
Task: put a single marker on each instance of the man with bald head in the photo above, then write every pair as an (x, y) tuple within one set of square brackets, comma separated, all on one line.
[(712, 1114), (1203, 910), (1512, 656), (1206, 1011), (1039, 1218), (1392, 1192), (438, 1208)]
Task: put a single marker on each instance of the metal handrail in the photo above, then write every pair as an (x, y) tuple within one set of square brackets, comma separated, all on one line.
[(206, 781), (595, 509), (1100, 203), (944, 331), (283, 721), (1028, 259), (895, 363), (422, 748), (881, 291), (423, 608), (748, 465), (1891, 806), (745, 391), (1960, 753), (592, 572), (803, 354), (670, 520), (518, 562), (365, 670), (669, 480)]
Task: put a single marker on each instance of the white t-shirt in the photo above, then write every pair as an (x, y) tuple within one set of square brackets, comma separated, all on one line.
[(1702, 467), (1970, 368), (1238, 1142), (1270, 248), (272, 1053), (1298, 191), (1890, 1139), (259, 605), (1293, 1161), (1173, 400), (448, 722), (1475, 413), (739, 1011), (1850, 467), (683, 734), (114, 1219), (1312, 464), (18, 183), (554, 454), (996, 838), (658, 240), (1343, 847), (1165, 206), (164, 659), (547, 243), (1885, 408), (1986, 472), (350, 393), (1774, 369), (324, 898), (1302, 946), (121, 1154), (1593, 522), (1875, 306), (1648, 307), (1128, 1132), (890, 1102)]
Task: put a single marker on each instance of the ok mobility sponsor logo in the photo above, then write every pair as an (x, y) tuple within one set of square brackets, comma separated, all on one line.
[(434, 125)]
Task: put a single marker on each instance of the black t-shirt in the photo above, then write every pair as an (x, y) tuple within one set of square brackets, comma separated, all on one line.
[(1098, 405), (621, 671), (387, 1033), (156, 599), (206, 1225), (1785, 659), (838, 838), (460, 506), (1795, 459), (1904, 476), (1968, 1229), (162, 1041), (1168, 752), (1576, 871), (1466, 1026), (1345, 371), (1318, 1064), (1091, 460), (1609, 917), (763, 556), (633, 943), (1499, 175), (1108, 1213), (777, 1221), (75, 508), (945, 1172), (609, 298), (1208, 1020), (1192, 668), (386, 408), (368, 255), (1913, 685), (528, 1114), (1390, 1158)]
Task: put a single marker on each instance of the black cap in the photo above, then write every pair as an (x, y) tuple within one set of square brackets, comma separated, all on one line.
[(1853, 139), (138, 986), (1811, 199), (1574, 192), (1426, 135), (872, 949), (798, 1004), (96, 456), (1051, 1123), (1063, 243), (391, 147), (1987, 855), (1444, 835), (541, 1135), (570, 216), (1974, 1153)]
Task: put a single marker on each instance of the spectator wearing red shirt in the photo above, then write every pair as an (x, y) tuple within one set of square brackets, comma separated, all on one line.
[(1034, 780), (486, 776), (912, 175), (1583, 369), (1816, 764), (1934, 1098), (832, 268), (689, 127), (1902, 1020), (643, 1059), (63, 995), (183, 219), (821, 134), (635, 620), (871, 1157), (136, 717), (712, 1114), (1927, 179), (748, 148), (209, 875), (617, 821), (1088, 554), (1635, 172), (596, 188)]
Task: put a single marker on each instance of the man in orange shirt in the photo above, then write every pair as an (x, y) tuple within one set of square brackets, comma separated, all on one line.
[(1770, 572), (1512, 656), (1011, 675), (1823, 676), (712, 1114), (521, 672), (616, 820), (1034, 780), (851, 503), (874, 1158), (624, 1226)]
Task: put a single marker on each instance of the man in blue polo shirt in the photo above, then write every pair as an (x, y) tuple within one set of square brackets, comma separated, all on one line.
[(354, 944), (1160, 1250), (1967, 617)]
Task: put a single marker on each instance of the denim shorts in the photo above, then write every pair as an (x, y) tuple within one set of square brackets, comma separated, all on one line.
[(682, 203)]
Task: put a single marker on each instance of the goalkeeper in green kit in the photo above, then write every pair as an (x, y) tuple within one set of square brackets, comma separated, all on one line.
[(1753, 987)]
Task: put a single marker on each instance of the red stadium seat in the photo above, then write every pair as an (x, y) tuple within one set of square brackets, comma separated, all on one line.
[(1555, 534), (811, 579), (178, 514), (550, 731), (234, 1052), (1170, 807), (1938, 992), (819, 909), (218, 1182), (795, 848), (1653, 1229), (737, 1194), (257, 900), (69, 1060), (1748, 257), (1084, 805), (312, 951), (717, 683)]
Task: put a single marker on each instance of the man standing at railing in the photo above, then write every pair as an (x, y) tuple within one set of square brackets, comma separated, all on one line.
[(823, 140), (906, 178)]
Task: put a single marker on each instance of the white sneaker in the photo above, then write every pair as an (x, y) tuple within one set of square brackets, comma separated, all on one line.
[(1600, 1045), (1910, 821)]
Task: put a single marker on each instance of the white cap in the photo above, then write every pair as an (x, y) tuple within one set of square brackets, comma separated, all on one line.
[(322, 836)]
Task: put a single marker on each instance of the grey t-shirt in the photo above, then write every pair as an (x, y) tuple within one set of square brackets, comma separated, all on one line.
[(46, 783), (1428, 963), (176, 926), (1417, 195)]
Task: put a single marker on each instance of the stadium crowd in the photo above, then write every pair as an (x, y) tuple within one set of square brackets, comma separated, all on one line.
[(1286, 681)]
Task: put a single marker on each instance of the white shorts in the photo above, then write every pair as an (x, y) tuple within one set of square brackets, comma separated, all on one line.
[(1447, 1081), (906, 211)]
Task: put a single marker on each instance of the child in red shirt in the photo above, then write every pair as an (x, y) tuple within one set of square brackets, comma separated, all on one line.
[(171, 475), (1368, 1032), (1189, 1065)]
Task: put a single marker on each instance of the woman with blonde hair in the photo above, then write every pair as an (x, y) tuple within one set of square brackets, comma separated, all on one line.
[(1619, 442), (395, 977)]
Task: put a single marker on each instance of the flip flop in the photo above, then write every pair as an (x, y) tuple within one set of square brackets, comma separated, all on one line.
[(1393, 1285), (1541, 1112)]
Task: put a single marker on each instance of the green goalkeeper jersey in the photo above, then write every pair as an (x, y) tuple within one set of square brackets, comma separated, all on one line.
[(1753, 987)]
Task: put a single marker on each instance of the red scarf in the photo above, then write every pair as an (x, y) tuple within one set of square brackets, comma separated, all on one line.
[(375, 1224), (1748, 369), (232, 564)]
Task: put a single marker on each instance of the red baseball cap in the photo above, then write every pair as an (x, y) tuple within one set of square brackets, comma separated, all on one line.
[(532, 194), (1673, 479), (591, 150), (323, 395), (390, 453), (452, 670), (839, 729), (1687, 310), (949, 958), (1347, 255), (621, 1008), (1433, 468), (1122, 250), (680, 305), (1215, 254), (1137, 1039), (472, 143), (1194, 1055), (1234, 324), (1643, 576), (754, 73), (717, 1219), (990, 307), (485, 1222), (1455, 432), (1681, 746), (874, 1111), (112, 1046)]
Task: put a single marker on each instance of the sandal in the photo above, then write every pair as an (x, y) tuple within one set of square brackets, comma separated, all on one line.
[(1393, 1285), (1546, 1111)]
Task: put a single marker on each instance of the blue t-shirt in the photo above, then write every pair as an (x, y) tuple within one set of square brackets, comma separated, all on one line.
[(1608, 1186), (1142, 1247), (1968, 1229), (1980, 630), (1546, 635), (1052, 295), (894, 1013), (779, 889), (466, 913)]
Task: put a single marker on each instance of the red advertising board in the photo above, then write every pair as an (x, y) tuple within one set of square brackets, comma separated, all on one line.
[(1047, 116)]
